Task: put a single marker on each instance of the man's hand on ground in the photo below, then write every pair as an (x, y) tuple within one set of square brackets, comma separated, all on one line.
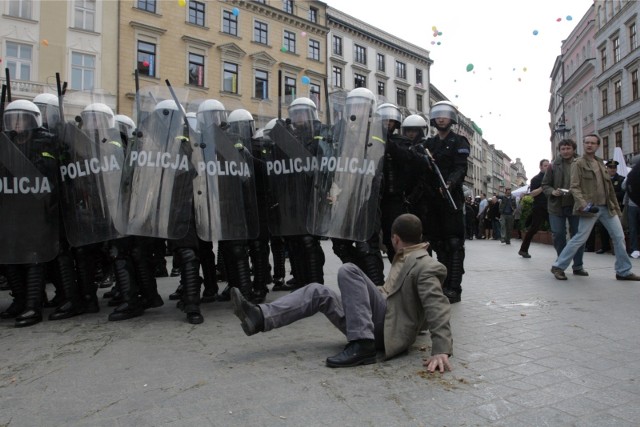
[(438, 362)]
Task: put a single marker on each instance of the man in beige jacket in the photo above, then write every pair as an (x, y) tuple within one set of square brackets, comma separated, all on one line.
[(388, 317)]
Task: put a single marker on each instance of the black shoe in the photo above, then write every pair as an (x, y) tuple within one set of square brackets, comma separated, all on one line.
[(250, 315), (12, 311), (28, 318), (66, 311), (175, 272), (581, 272), (177, 294), (558, 273), (116, 300), (524, 254), (359, 352), (225, 295), (452, 295), (208, 296), (631, 276), (278, 284), (258, 296), (126, 311), (195, 317), (600, 251)]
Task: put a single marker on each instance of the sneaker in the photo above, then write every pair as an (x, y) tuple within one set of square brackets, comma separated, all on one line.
[(635, 254), (524, 254), (558, 273), (581, 272), (630, 276)]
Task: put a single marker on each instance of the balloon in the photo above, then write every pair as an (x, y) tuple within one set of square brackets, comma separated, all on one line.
[(519, 79), (235, 11), (283, 49), (435, 34), (145, 63), (524, 69), (535, 32), (439, 33), (469, 67), (559, 19), (303, 34), (433, 42), (305, 80), (182, 3), (439, 43), (434, 29), (45, 42), (569, 18)]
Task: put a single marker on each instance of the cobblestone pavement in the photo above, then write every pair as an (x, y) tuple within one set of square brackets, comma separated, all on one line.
[(529, 350)]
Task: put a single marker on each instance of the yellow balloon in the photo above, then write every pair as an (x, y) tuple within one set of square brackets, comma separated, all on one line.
[(45, 42), (182, 3), (434, 28)]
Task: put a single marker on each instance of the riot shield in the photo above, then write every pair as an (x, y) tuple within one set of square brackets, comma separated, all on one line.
[(290, 168), (156, 196), (224, 189), (29, 229), (91, 164), (346, 188)]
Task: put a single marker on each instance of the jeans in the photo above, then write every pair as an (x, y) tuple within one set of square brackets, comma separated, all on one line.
[(585, 225), (558, 224), (506, 227), (633, 220)]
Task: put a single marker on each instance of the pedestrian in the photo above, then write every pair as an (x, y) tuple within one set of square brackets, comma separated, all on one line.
[(555, 185), (372, 318), (616, 180), (594, 199), (507, 208), (539, 212)]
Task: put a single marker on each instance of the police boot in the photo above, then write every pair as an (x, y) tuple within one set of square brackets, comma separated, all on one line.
[(208, 265), (314, 258), (298, 265), (277, 250), (16, 283), (191, 282), (240, 276), (370, 262), (72, 305), (85, 270), (130, 308), (146, 279), (33, 307), (177, 294), (455, 270), (258, 251), (221, 267)]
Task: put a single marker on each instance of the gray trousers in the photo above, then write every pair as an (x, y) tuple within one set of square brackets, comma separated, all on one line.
[(359, 314)]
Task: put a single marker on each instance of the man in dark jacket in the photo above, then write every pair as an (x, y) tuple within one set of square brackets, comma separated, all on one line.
[(539, 213)]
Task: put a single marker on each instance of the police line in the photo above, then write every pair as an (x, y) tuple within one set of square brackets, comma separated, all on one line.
[(350, 165)]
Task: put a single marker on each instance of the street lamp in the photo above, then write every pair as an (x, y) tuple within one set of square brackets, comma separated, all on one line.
[(561, 127)]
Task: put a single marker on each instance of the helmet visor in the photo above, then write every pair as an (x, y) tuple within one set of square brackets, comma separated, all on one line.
[(19, 120)]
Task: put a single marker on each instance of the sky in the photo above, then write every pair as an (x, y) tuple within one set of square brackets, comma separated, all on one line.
[(507, 92)]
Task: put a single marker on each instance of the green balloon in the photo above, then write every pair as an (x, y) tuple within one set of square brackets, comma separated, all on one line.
[(469, 67)]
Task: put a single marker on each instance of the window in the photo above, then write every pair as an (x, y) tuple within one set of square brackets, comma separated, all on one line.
[(616, 49), (229, 23), (18, 59), (289, 89), (313, 15), (401, 70), (337, 45), (605, 109), (633, 37), (314, 50), (634, 85), (20, 8), (419, 104), (360, 54), (617, 94), (605, 147), (603, 58), (635, 137), (287, 6), (359, 80), (261, 84), (289, 41), (619, 139), (401, 97), (380, 62), (147, 5), (314, 94), (147, 59), (83, 71), (196, 13), (381, 88), (260, 32), (84, 14), (337, 76), (230, 78), (196, 69), (418, 77)]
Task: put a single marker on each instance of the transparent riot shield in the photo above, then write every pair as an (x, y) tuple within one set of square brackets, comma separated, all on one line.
[(156, 197), (224, 189), (30, 228), (346, 188)]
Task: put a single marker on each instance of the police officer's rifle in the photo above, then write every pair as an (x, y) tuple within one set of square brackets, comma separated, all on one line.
[(434, 167)]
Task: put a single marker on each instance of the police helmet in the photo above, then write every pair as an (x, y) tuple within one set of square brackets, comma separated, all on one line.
[(126, 125), (98, 116), (444, 109), (241, 123), (415, 122), (49, 108), (211, 112), (303, 110), (360, 102), (22, 115)]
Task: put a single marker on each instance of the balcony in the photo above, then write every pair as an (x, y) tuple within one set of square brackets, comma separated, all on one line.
[(23, 89)]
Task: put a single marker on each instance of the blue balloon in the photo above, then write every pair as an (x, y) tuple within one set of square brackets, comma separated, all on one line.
[(235, 11), (535, 32), (305, 80)]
